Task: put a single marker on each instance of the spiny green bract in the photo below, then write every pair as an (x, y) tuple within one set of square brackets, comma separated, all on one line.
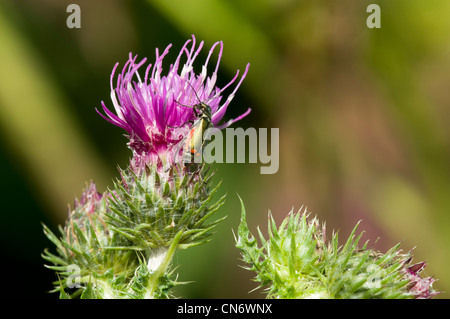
[(149, 208), (120, 244), (86, 248), (296, 262)]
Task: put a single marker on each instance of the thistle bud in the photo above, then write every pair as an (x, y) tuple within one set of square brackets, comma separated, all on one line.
[(297, 262), (86, 257)]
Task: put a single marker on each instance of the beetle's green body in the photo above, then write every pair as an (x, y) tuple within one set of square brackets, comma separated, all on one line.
[(195, 140)]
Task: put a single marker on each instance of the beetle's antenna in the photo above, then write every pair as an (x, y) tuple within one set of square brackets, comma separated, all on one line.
[(184, 105), (196, 95), (195, 92)]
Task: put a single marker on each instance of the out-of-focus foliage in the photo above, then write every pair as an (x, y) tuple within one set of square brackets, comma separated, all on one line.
[(362, 114)]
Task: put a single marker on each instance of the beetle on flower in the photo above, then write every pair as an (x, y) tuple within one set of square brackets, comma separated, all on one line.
[(152, 109)]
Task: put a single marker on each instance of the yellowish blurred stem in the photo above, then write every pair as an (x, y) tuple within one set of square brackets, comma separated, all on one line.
[(36, 124)]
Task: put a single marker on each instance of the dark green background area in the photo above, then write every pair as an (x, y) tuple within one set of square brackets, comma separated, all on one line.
[(362, 115)]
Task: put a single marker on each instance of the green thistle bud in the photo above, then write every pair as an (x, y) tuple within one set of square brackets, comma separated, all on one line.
[(120, 244), (297, 262), (85, 255), (150, 206)]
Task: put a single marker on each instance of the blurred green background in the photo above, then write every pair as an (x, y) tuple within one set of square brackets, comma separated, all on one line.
[(362, 116)]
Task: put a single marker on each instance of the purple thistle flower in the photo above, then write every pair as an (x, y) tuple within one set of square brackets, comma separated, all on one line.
[(152, 109)]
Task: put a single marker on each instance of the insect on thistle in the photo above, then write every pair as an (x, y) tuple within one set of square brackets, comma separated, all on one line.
[(194, 142)]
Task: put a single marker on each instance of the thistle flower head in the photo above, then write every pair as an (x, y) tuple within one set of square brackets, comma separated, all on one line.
[(155, 109)]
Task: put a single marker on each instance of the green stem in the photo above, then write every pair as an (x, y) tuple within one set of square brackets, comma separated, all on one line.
[(163, 265)]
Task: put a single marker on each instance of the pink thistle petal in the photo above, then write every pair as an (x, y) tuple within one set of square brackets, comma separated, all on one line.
[(157, 112)]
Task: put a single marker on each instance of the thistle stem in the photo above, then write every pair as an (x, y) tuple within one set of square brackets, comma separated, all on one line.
[(163, 259)]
